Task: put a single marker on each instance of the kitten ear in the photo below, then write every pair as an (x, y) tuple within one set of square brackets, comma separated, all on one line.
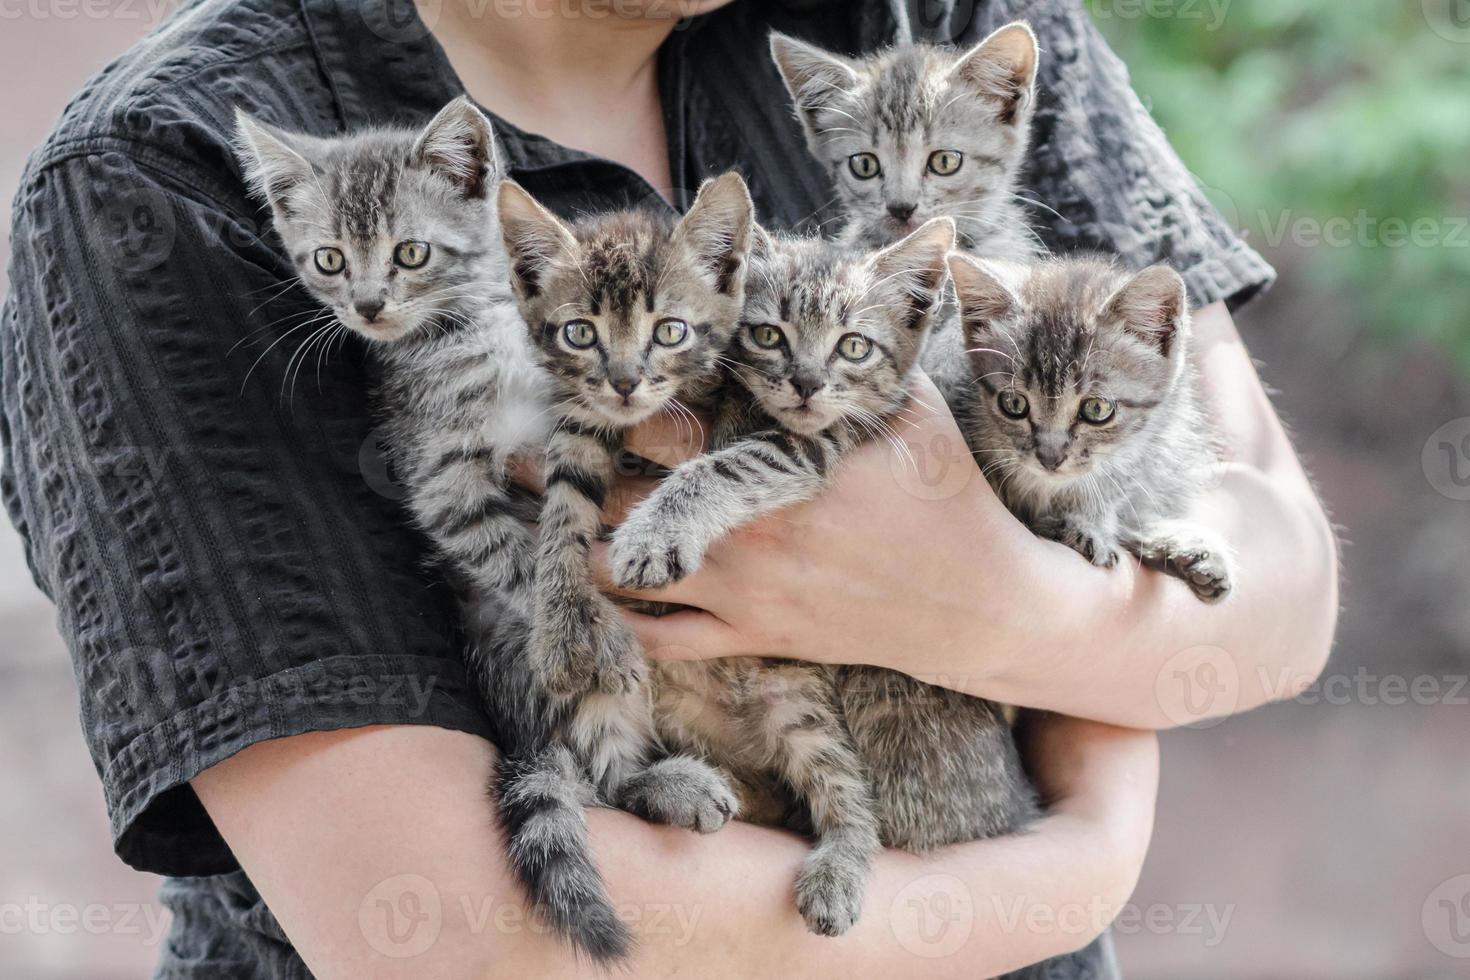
[(983, 296), (717, 231), (813, 77), (1002, 69), (1154, 305), (911, 274), (459, 145), (272, 164), (761, 245), (534, 238)]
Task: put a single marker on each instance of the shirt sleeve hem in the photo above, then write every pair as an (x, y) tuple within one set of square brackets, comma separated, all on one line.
[(158, 824), (1235, 275)]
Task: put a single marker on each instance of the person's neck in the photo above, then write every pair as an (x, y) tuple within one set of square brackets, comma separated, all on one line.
[(586, 79)]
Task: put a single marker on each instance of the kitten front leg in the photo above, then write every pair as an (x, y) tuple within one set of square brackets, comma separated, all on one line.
[(1188, 551), (681, 791), (1094, 537), (665, 538), (814, 754), (578, 640)]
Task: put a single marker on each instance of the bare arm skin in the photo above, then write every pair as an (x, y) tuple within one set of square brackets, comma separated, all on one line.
[(319, 822), (895, 567)]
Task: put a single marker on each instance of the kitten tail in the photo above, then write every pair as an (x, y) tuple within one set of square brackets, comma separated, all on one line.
[(542, 800)]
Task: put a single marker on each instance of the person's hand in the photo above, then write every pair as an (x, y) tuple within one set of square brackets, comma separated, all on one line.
[(907, 561)]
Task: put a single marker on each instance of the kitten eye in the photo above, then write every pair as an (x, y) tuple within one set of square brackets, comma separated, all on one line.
[(766, 335), (945, 162), (864, 166), (580, 334), (855, 347), (1096, 410), (1014, 404), (670, 332), (411, 255), (330, 260)]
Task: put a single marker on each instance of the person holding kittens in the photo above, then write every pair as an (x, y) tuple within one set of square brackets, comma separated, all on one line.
[(273, 683)]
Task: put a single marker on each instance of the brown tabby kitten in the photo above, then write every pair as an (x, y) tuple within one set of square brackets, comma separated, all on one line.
[(628, 313)]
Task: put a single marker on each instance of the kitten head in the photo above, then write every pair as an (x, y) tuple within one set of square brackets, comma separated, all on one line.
[(917, 131), (828, 334), (628, 309), (1071, 360), (391, 229)]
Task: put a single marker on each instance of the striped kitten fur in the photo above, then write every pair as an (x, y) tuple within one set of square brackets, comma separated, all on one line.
[(916, 131), (1084, 410), (395, 232), (629, 313)]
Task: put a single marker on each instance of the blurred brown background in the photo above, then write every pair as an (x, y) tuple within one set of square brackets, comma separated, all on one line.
[(1324, 838)]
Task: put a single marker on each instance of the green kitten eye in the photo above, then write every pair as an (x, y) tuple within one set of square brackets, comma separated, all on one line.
[(766, 335), (670, 332), (945, 162), (330, 260), (580, 334), (1096, 410), (864, 166), (855, 347), (411, 255), (1014, 404)]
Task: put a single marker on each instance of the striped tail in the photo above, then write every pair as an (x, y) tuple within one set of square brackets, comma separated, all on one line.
[(542, 801)]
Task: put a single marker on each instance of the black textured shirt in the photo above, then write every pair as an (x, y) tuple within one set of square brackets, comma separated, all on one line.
[(229, 558)]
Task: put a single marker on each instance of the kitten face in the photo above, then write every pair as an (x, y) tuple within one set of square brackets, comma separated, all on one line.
[(915, 132), (1070, 357), (627, 309), (829, 335), (392, 230)]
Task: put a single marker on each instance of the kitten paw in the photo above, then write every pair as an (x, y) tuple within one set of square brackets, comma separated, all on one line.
[(681, 791), (1097, 546), (1193, 556), (646, 558), (588, 649), (829, 894)]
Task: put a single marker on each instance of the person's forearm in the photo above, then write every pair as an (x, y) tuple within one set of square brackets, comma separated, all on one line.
[(376, 852), (1134, 647)]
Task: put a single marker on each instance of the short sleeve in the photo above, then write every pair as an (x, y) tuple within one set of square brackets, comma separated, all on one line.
[(1101, 173), (201, 496)]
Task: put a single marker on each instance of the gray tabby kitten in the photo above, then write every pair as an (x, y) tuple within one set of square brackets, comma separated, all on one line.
[(629, 313), (1085, 411), (918, 131), (821, 364), (395, 232)]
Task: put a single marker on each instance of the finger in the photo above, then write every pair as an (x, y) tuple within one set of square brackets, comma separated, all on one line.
[(626, 494), (697, 590), (527, 471), (690, 634), (670, 437)]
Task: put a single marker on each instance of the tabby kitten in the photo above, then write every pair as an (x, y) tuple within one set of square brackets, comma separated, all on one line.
[(821, 362), (628, 313), (1085, 413), (395, 232), (919, 131)]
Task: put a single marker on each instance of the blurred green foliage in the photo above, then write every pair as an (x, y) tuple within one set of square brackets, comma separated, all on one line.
[(1336, 128)]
